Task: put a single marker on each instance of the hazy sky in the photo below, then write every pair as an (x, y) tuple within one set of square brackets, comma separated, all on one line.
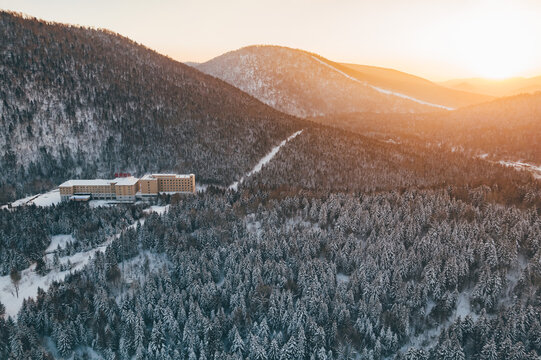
[(432, 38)]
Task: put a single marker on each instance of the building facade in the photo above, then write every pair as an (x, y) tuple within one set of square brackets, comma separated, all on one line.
[(128, 188)]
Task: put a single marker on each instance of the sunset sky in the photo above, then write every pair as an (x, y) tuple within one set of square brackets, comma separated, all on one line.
[(431, 38)]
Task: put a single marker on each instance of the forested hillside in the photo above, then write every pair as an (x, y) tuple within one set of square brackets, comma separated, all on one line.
[(333, 160), (504, 129), (84, 102)]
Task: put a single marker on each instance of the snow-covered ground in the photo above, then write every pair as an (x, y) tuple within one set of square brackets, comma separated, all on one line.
[(383, 91), (31, 281), (99, 203), (160, 210), (58, 241), (201, 187), (430, 336), (342, 278), (136, 269), (49, 198), (265, 160)]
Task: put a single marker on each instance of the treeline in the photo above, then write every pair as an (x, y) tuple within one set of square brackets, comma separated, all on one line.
[(311, 275)]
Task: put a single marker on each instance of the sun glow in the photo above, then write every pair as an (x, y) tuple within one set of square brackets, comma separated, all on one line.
[(495, 41)]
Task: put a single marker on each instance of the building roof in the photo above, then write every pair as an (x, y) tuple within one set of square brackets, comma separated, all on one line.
[(83, 182), (154, 176), (148, 177), (130, 180)]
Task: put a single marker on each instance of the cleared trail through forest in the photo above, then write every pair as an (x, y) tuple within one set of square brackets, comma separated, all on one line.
[(264, 160), (383, 91)]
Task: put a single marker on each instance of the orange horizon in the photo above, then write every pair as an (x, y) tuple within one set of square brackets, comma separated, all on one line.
[(437, 41)]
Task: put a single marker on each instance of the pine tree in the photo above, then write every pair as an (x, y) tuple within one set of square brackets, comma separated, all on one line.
[(237, 345), (64, 342), (489, 351)]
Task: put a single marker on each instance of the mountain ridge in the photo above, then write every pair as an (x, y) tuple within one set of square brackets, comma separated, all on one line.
[(295, 82), (495, 87), (290, 81)]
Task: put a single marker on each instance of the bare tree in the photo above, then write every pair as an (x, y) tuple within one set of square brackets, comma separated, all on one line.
[(15, 276)]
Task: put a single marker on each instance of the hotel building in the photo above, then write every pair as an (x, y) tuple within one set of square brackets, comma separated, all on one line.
[(127, 188)]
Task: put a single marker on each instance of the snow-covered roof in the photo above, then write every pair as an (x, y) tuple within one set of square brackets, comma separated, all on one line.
[(87, 182), (130, 180), (154, 176), (100, 182), (178, 176), (148, 177)]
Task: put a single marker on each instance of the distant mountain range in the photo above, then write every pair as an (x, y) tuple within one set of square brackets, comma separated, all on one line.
[(499, 88), (305, 84)]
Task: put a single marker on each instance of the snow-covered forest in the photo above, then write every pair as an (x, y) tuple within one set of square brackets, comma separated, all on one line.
[(274, 275), (305, 241)]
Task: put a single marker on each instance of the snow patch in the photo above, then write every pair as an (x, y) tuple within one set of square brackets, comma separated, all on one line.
[(383, 91), (47, 199), (463, 307), (137, 268), (160, 210), (342, 278), (519, 165), (59, 241), (31, 281), (100, 203)]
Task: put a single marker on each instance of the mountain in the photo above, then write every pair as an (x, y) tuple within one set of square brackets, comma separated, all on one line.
[(79, 102), (305, 84), (416, 86), (505, 87)]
